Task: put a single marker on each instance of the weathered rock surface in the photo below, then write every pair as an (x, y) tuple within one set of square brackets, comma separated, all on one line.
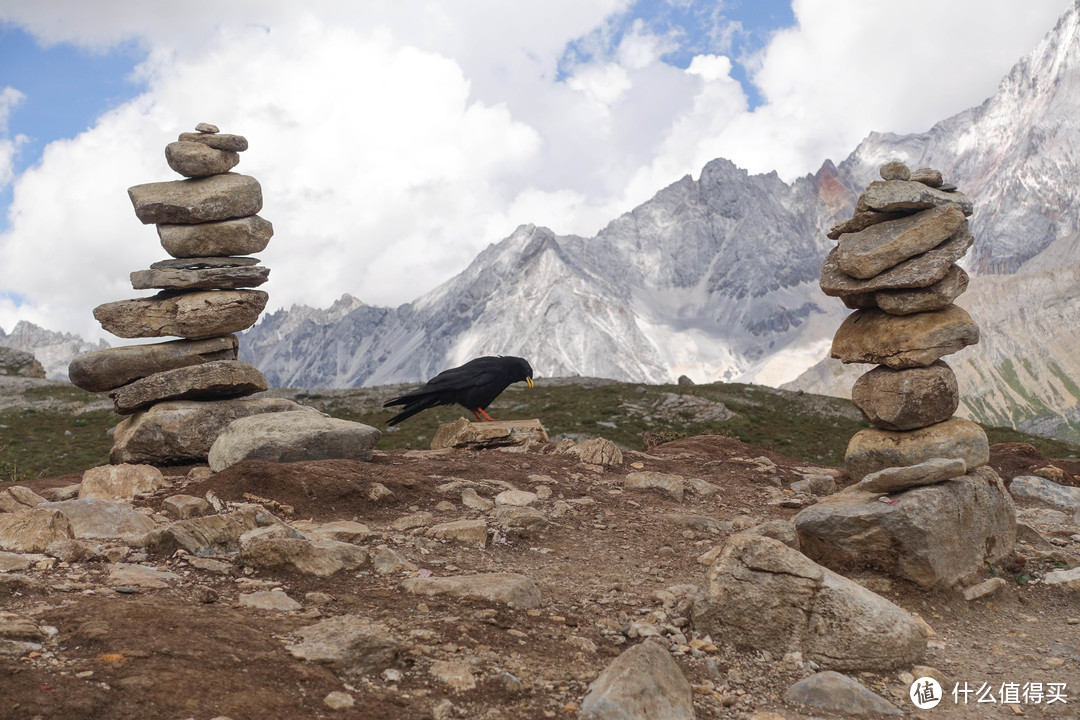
[(110, 368), (907, 399), (871, 449), (120, 482), (469, 435), (516, 591), (19, 363), (17, 498), (196, 159), (917, 272), (829, 690), (131, 575), (218, 197), (94, 518), (464, 532), (192, 315), (931, 472), (182, 507), (321, 558), (349, 644), (597, 451), (643, 682), (907, 196), (1045, 492), (240, 236), (928, 299), (201, 263), (903, 341), (934, 535), (292, 437), (665, 483), (183, 431), (764, 595), (33, 530), (201, 535), (215, 379), (216, 140), (227, 278), (870, 252)]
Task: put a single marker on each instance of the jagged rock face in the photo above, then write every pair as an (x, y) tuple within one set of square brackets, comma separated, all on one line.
[(54, 350)]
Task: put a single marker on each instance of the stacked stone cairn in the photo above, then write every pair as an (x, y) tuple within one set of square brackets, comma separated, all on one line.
[(925, 506), (179, 395)]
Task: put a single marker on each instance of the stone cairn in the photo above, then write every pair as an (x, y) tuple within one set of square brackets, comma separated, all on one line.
[(208, 224), (894, 264)]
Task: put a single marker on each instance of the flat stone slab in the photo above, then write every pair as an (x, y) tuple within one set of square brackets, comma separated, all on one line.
[(198, 263), (907, 399), (907, 196), (870, 252), (120, 482), (832, 691), (935, 535), (193, 316), (216, 140), (218, 197), (871, 450), (931, 472), (95, 518), (215, 379), (226, 278), (292, 437), (932, 297), (351, 645), (1045, 492), (182, 431), (903, 341), (516, 591), (110, 368), (479, 435), (196, 159), (240, 236), (917, 272)]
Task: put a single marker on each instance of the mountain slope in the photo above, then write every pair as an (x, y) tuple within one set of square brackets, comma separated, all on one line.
[(54, 350)]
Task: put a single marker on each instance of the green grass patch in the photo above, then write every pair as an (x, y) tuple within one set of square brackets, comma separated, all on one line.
[(46, 443)]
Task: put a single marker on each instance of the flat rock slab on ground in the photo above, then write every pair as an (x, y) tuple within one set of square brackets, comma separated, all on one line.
[(183, 431), (240, 236), (935, 535), (211, 380), (193, 315), (351, 645), (219, 197), (513, 590), (478, 435), (292, 437), (110, 368), (1045, 492)]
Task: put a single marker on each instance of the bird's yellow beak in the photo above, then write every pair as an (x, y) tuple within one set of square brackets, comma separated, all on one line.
[(529, 381)]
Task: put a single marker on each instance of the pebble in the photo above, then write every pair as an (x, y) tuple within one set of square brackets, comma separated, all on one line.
[(338, 700)]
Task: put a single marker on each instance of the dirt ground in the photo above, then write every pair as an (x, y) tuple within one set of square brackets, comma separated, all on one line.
[(609, 557)]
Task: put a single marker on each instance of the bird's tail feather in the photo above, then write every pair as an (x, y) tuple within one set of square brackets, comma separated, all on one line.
[(411, 409)]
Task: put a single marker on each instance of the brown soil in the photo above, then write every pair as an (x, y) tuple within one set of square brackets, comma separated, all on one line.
[(605, 561)]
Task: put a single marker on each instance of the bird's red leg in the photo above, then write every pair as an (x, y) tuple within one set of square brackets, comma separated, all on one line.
[(486, 416)]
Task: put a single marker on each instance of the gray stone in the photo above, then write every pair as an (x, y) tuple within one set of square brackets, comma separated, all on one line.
[(227, 278), (643, 682), (351, 645), (216, 140), (871, 449), (275, 600), (19, 363), (520, 521), (183, 431), (218, 197), (200, 263), (206, 128), (339, 530), (985, 588), (1045, 492), (470, 499), (597, 451), (870, 252), (17, 498), (903, 341), (13, 562), (469, 435), (928, 299), (292, 437), (240, 236), (917, 272), (196, 159), (860, 221), (33, 530), (14, 626), (110, 368), (667, 484), (894, 170), (906, 196), (215, 379), (120, 482), (936, 535), (516, 591), (927, 176), (907, 399), (518, 498), (193, 315), (94, 518), (129, 575), (829, 690), (388, 562), (781, 530), (321, 558), (182, 507), (463, 532), (931, 472), (205, 535), (763, 595)]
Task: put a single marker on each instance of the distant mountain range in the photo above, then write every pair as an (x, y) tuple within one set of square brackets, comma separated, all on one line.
[(54, 350), (717, 278)]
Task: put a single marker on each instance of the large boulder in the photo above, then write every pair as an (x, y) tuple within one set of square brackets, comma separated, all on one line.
[(643, 682), (292, 437), (183, 431), (870, 252), (871, 335), (192, 315), (907, 399), (218, 197), (935, 535), (110, 368), (240, 236), (871, 450), (762, 595)]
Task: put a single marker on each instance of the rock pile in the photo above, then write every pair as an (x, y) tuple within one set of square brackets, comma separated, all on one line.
[(208, 224), (895, 265)]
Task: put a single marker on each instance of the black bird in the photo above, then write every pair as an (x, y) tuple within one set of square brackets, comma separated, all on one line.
[(473, 386)]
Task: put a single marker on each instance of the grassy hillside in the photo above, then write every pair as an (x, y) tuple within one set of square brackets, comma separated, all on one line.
[(55, 429)]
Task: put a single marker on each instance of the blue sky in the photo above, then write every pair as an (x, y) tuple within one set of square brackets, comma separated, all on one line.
[(395, 139)]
